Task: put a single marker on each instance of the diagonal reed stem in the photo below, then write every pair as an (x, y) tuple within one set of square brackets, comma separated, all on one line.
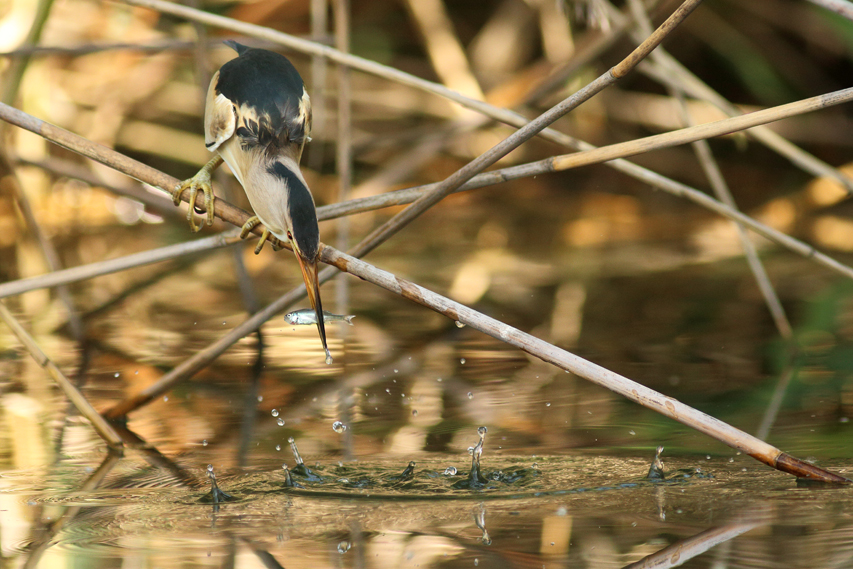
[(101, 426)]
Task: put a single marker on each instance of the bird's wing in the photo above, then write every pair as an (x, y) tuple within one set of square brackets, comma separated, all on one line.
[(220, 118)]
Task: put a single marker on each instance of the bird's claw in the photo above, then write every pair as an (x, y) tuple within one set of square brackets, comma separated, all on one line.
[(247, 228), (200, 181)]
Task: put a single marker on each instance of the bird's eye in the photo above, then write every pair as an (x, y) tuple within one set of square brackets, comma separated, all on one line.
[(289, 236)]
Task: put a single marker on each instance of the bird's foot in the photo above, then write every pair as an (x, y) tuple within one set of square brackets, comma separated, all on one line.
[(247, 228), (200, 181)]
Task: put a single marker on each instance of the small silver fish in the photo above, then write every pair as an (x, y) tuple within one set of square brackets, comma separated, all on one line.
[(308, 316)]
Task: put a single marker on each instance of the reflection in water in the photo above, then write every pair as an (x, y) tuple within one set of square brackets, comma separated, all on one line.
[(480, 520), (679, 553)]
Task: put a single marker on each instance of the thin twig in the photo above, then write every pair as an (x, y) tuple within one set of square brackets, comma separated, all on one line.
[(721, 190), (702, 131), (155, 46), (549, 353), (51, 257), (670, 72), (776, 399), (101, 426), (15, 73), (319, 80), (673, 74), (840, 7), (344, 160), (92, 270)]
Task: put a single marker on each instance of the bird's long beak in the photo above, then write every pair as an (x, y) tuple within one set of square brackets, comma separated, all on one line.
[(312, 285)]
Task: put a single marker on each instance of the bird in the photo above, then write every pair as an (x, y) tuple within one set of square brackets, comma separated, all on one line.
[(257, 118)]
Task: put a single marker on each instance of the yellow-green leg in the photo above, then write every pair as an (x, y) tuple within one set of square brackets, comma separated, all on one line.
[(200, 181), (247, 228)]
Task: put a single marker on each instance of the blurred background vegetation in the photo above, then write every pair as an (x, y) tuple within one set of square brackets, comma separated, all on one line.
[(591, 260)]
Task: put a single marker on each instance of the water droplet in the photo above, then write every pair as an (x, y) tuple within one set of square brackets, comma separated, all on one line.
[(291, 440), (210, 468), (280, 422), (116, 374), (476, 562), (470, 395), (471, 450), (165, 398), (707, 457), (451, 470), (844, 420), (275, 412), (343, 547), (631, 432), (338, 427), (204, 443), (548, 404), (329, 359), (414, 412), (482, 431), (260, 398), (731, 460), (460, 324), (462, 361), (396, 371), (438, 380), (277, 447)]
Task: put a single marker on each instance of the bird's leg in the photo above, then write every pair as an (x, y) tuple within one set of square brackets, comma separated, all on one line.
[(247, 228), (200, 181)]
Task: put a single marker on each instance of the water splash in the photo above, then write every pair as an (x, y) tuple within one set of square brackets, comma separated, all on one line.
[(295, 451), (215, 496), (407, 474), (339, 427), (288, 479), (656, 469), (475, 478), (300, 469)]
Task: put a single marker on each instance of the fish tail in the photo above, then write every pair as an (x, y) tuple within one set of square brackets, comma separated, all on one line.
[(349, 319)]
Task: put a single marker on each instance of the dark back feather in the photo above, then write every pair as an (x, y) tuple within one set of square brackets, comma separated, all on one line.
[(269, 84)]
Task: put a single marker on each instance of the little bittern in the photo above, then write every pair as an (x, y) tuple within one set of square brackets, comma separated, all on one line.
[(258, 118)]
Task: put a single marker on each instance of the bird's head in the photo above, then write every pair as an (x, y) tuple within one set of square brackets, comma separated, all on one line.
[(303, 232)]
